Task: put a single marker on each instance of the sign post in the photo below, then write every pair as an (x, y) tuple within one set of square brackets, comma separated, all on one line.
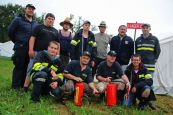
[(134, 26)]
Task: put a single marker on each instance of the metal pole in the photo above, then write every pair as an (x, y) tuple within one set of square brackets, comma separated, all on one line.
[(135, 38)]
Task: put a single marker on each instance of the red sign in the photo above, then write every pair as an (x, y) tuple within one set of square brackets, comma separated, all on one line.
[(134, 25)]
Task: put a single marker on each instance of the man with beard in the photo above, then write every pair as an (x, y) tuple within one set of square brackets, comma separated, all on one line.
[(19, 32), (41, 36), (65, 39)]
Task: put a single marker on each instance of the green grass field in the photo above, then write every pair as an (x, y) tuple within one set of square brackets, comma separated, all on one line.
[(18, 102)]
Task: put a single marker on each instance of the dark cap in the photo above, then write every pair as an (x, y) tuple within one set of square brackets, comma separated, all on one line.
[(112, 53), (87, 22), (30, 5), (86, 53), (50, 15), (146, 25)]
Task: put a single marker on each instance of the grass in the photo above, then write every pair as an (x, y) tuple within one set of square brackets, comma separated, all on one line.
[(14, 102)]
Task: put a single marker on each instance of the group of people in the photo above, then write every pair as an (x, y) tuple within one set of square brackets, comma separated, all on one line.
[(56, 59)]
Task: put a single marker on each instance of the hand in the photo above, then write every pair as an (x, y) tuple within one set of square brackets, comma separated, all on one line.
[(108, 79), (54, 76), (92, 63), (53, 85), (134, 90), (78, 79), (126, 96), (95, 92), (31, 53), (128, 86)]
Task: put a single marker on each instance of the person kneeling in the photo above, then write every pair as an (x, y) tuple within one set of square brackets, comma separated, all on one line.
[(47, 72), (141, 82), (79, 71), (111, 71)]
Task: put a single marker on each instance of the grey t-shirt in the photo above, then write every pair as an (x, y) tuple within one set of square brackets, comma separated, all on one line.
[(102, 41)]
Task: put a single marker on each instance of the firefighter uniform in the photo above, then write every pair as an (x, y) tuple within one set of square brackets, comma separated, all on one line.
[(79, 45), (142, 80), (41, 76), (149, 49)]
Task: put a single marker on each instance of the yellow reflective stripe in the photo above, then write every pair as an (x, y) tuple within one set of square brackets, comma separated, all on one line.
[(60, 75), (151, 69), (53, 67), (44, 64), (141, 75), (147, 76), (74, 42), (94, 44), (145, 48), (36, 66)]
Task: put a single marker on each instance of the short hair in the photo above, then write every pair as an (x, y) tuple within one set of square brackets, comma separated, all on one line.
[(136, 55), (50, 15), (54, 42), (122, 26)]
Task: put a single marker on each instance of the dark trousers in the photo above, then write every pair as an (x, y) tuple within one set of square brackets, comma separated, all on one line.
[(97, 62), (40, 85), (20, 60)]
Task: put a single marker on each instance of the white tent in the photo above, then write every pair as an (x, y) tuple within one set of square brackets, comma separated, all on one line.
[(6, 49), (163, 81)]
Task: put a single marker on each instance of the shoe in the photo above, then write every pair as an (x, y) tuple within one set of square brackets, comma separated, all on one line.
[(141, 106), (35, 100), (152, 105), (25, 89)]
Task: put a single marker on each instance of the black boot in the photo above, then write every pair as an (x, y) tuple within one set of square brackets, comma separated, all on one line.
[(37, 87)]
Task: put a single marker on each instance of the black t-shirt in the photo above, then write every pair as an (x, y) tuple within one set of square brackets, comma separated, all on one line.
[(44, 35), (114, 71), (74, 68)]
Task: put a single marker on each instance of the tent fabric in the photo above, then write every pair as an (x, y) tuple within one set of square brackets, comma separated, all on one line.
[(163, 82), (6, 49)]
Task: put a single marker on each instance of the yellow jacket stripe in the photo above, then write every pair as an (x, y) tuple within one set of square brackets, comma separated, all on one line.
[(74, 42), (60, 75), (145, 48)]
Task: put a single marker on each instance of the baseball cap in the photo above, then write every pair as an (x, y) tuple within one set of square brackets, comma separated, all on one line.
[(87, 22), (86, 53), (146, 25), (112, 53), (30, 5)]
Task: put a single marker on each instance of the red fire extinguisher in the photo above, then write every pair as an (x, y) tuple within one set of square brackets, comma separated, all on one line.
[(111, 94), (79, 88)]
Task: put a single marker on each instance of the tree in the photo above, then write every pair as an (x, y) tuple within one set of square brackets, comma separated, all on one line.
[(77, 24), (7, 13)]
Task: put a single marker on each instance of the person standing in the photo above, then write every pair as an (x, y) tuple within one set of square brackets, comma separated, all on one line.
[(84, 40), (65, 39), (19, 32), (148, 46), (102, 40), (123, 45), (41, 36)]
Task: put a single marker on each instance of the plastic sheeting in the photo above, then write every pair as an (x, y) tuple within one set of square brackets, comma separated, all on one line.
[(163, 81), (6, 49)]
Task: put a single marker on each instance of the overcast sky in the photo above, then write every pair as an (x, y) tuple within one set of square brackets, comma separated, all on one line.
[(115, 12)]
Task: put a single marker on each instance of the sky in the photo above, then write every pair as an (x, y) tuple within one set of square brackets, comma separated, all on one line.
[(158, 13)]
